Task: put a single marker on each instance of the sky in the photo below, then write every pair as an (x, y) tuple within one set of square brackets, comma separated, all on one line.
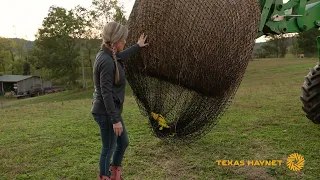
[(22, 18)]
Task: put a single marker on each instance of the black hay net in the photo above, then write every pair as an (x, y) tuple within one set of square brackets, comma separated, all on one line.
[(198, 54)]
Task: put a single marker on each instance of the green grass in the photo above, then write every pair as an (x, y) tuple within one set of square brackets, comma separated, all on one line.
[(55, 137)]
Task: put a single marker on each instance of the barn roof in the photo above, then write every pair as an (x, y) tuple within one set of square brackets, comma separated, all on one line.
[(13, 78)]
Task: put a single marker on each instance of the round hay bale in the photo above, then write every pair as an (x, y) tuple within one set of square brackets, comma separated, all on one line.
[(198, 54)]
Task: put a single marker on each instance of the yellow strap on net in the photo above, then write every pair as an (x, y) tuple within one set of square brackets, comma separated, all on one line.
[(161, 121)]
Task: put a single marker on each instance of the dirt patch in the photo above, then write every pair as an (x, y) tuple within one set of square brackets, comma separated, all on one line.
[(19, 169), (253, 173), (174, 166)]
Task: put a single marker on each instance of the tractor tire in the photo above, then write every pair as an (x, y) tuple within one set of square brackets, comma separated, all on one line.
[(311, 95)]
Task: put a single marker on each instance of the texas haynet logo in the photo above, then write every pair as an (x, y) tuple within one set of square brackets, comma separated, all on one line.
[(295, 162)]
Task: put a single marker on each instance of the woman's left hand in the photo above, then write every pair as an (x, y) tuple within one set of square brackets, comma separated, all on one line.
[(142, 40)]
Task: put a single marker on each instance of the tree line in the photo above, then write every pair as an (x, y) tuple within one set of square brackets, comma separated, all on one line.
[(65, 44), (277, 46)]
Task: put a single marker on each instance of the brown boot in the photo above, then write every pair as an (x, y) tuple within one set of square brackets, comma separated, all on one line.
[(103, 177), (116, 173)]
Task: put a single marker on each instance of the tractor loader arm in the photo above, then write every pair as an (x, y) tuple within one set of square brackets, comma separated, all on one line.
[(291, 17)]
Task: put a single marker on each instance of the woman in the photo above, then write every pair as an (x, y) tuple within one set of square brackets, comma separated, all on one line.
[(109, 82)]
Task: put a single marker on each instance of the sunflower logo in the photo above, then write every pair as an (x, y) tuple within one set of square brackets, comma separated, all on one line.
[(295, 162)]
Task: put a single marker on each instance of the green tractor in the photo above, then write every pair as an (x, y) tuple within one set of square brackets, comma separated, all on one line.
[(303, 15)]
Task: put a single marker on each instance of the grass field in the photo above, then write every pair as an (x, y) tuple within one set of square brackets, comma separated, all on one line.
[(55, 137)]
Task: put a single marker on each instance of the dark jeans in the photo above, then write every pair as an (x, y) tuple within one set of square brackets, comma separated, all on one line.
[(111, 144)]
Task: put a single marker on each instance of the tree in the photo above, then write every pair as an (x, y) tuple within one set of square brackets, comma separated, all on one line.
[(4, 53), (67, 38), (282, 44), (307, 42), (56, 47), (26, 68), (21, 56), (90, 35), (94, 19), (103, 11), (119, 15), (7, 51), (106, 11), (295, 49), (276, 46), (20, 49), (261, 52)]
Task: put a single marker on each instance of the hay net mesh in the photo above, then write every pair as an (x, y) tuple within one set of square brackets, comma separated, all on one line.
[(198, 54)]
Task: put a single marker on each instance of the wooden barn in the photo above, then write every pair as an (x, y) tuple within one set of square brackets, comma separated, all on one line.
[(21, 84)]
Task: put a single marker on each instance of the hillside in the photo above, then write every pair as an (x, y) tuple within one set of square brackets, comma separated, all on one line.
[(28, 44)]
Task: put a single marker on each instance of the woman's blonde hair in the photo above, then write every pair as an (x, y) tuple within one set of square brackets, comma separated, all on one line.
[(111, 34)]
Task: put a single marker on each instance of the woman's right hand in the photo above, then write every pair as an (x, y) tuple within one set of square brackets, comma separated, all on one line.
[(117, 128), (142, 40)]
